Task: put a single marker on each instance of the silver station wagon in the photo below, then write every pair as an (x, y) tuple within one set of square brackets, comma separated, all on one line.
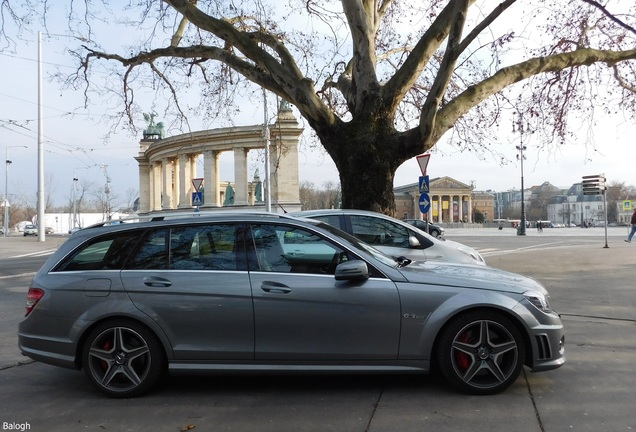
[(131, 302)]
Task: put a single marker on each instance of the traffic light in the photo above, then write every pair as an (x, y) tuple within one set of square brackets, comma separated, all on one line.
[(594, 184)]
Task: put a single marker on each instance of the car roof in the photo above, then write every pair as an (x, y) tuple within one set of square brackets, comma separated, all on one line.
[(182, 218), (313, 213)]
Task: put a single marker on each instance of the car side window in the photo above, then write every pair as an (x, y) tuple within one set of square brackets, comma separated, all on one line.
[(103, 253), (289, 249), (379, 232), (333, 220), (206, 247), (152, 253)]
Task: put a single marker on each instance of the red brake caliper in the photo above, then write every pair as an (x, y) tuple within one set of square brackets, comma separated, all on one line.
[(106, 347), (463, 360)]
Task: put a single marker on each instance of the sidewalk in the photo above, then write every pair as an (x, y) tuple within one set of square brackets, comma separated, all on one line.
[(547, 232)]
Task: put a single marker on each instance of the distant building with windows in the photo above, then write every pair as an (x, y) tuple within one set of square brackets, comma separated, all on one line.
[(573, 207), (451, 201)]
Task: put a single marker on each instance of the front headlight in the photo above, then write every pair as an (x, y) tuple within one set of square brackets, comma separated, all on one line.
[(539, 299)]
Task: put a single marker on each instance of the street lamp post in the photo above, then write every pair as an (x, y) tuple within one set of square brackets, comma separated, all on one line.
[(41, 203), (6, 191), (74, 217), (41, 223), (522, 228), (5, 231), (518, 126)]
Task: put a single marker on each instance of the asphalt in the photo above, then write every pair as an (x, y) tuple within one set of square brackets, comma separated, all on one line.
[(591, 286)]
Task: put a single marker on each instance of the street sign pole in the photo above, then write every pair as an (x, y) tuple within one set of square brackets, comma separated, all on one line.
[(595, 185), (425, 200), (605, 207)]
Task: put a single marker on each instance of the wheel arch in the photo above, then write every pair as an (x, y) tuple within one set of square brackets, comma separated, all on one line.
[(513, 318), (154, 329)]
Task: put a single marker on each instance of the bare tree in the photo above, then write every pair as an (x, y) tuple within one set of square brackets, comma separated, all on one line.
[(129, 201), (313, 198), (378, 81)]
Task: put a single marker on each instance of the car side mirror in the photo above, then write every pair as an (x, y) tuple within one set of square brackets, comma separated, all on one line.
[(414, 242), (352, 270)]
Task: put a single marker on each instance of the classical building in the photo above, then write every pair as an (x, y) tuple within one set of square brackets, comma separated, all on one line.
[(451, 201), (167, 167)]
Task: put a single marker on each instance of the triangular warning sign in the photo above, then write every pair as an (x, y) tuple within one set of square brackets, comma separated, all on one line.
[(197, 182)]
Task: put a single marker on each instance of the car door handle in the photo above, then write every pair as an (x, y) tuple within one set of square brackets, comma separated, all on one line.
[(156, 282), (275, 287)]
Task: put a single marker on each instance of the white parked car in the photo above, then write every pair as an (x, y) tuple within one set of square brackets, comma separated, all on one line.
[(30, 230), (395, 237)]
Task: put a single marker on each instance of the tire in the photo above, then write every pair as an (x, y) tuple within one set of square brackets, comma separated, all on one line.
[(481, 353), (123, 359), (435, 233)]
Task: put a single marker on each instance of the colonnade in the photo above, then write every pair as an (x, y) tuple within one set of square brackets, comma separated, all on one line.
[(453, 208), (168, 166)]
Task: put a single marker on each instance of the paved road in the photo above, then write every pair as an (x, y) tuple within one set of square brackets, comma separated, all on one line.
[(592, 286)]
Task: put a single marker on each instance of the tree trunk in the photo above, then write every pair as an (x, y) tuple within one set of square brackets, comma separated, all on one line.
[(367, 157)]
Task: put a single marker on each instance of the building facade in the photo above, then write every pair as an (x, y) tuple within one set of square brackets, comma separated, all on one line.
[(575, 208), (451, 201)]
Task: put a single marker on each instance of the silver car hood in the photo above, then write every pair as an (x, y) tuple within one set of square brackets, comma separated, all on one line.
[(468, 276)]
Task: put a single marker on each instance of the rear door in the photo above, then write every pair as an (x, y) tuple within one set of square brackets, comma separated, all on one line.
[(193, 281), (302, 313)]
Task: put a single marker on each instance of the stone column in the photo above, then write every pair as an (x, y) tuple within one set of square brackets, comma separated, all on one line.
[(240, 176), (156, 186), (144, 184), (211, 175), (440, 210), (284, 184), (184, 181), (460, 203), (166, 183), (470, 209)]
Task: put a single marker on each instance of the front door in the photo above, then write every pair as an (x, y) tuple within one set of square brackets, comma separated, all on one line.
[(302, 313)]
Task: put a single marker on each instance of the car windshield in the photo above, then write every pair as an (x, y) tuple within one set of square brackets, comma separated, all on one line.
[(375, 253)]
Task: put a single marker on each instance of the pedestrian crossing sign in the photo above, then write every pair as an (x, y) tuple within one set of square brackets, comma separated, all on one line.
[(627, 205), (197, 198)]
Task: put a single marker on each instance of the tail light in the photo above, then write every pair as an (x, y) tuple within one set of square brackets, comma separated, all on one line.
[(33, 297)]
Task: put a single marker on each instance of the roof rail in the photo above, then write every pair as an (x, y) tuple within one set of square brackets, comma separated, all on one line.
[(160, 216)]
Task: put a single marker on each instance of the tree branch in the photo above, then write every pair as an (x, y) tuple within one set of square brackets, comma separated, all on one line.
[(445, 72), (610, 15), (420, 56), (363, 23), (472, 96)]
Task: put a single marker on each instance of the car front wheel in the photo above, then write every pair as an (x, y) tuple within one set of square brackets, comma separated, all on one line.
[(123, 359), (481, 352)]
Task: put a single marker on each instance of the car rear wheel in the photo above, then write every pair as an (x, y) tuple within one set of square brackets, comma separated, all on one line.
[(123, 359), (481, 352)]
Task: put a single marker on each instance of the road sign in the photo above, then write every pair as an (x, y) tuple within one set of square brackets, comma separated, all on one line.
[(197, 182), (197, 198), (422, 160), (594, 184), (627, 205), (425, 203), (424, 184)]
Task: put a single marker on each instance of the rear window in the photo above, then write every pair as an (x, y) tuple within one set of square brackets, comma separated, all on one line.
[(196, 247), (103, 253)]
